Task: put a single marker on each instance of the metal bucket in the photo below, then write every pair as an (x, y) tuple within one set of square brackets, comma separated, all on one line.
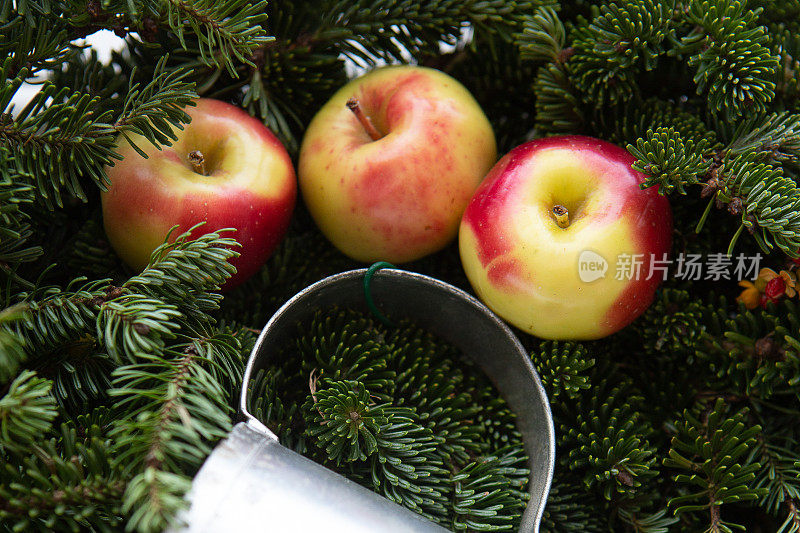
[(252, 483)]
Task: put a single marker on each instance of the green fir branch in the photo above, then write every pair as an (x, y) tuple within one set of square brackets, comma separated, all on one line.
[(343, 420), (136, 326), (67, 483), (673, 323), (780, 476), (730, 54), (188, 271), (658, 522), (558, 106), (769, 202), (346, 346), (712, 453), (605, 439), (32, 49), (543, 36), (63, 138), (746, 176), (54, 316), (282, 414), (155, 110), (225, 31), (668, 161), (15, 226), (175, 412), (787, 47), (569, 509), (622, 40), (562, 367), (630, 125), (488, 493), (406, 467), (774, 137), (430, 379), (27, 411), (755, 351)]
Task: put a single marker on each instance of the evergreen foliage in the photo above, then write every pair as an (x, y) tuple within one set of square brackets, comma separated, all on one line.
[(115, 385), (712, 450), (397, 409)]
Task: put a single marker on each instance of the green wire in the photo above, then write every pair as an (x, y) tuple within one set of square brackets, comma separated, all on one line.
[(368, 292)]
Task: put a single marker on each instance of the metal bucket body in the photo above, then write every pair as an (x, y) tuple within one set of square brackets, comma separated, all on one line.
[(252, 483)]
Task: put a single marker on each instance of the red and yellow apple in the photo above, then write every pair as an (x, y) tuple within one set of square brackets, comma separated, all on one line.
[(552, 238), (226, 169), (388, 165)]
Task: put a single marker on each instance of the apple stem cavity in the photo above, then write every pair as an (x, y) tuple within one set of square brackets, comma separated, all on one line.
[(197, 161), (352, 105), (561, 215)]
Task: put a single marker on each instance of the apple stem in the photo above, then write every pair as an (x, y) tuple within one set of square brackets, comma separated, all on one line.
[(352, 105), (197, 161), (562, 215)]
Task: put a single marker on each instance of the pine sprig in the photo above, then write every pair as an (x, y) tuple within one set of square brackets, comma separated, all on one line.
[(136, 326), (27, 412), (730, 53), (33, 48), (658, 522), (54, 316), (67, 484), (346, 346), (558, 106), (430, 379), (668, 161), (622, 40), (89, 251), (225, 31), (406, 467), (66, 141), (562, 367), (70, 136), (487, 493), (673, 323), (155, 110), (176, 411), (186, 272), (712, 450), (543, 36), (756, 351), (606, 439), (12, 345), (780, 476), (628, 126), (281, 413), (742, 179), (774, 137), (81, 375), (771, 201), (787, 48), (568, 509), (15, 229), (342, 418), (77, 335)]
